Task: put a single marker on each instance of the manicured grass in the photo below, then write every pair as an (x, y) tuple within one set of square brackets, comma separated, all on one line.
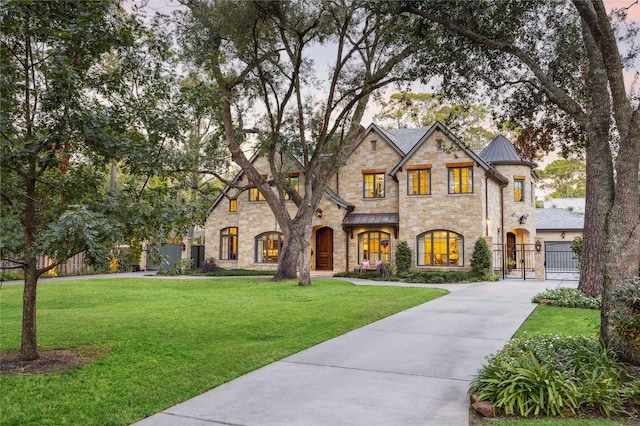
[(164, 341), (563, 321)]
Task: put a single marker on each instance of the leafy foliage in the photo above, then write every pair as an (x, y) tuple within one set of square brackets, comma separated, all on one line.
[(568, 297), (403, 258), (576, 248), (481, 258), (384, 270), (209, 265), (554, 375), (625, 315), (566, 178)]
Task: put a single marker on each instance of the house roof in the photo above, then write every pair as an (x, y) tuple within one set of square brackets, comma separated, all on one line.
[(341, 202), (501, 151), (425, 133), (370, 219), (558, 220), (405, 139)]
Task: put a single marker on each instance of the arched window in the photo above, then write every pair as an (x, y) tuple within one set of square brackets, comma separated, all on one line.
[(440, 248), (373, 246), (268, 247), (229, 244)]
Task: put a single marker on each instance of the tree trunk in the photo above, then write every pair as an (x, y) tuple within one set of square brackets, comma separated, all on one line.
[(304, 267), (29, 344), (288, 259)]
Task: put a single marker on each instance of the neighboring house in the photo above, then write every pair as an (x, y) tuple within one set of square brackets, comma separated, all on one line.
[(572, 204), (419, 185), (558, 226)]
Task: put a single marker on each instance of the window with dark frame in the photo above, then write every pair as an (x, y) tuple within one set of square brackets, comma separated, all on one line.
[(460, 179), (373, 185), (440, 248), (294, 181), (255, 195), (518, 189), (229, 243), (233, 205), (374, 246), (268, 246), (419, 181)]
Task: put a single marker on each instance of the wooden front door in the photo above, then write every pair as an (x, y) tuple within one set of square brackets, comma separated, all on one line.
[(511, 250), (324, 249)]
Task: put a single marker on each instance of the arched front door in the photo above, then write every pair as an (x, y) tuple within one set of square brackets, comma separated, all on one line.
[(324, 249)]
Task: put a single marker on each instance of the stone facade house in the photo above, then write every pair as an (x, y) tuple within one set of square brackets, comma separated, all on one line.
[(420, 185)]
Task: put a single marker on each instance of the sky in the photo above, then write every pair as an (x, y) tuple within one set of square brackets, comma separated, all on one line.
[(168, 6)]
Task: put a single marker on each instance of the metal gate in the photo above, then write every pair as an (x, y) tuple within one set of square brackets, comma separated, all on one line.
[(560, 263), (516, 261)]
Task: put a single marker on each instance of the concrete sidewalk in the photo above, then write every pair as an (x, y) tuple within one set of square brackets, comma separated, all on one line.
[(412, 368)]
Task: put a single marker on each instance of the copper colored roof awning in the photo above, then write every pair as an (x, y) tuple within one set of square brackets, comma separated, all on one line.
[(371, 219)]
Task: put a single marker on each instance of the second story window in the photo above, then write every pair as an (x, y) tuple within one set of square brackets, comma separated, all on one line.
[(518, 189), (460, 179), (233, 205), (373, 183), (255, 195), (419, 181), (294, 182)]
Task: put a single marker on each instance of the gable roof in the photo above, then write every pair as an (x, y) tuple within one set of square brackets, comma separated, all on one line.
[(405, 139), (558, 220), (426, 133), (501, 151)]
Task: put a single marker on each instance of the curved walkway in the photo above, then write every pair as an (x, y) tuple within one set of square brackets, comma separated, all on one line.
[(412, 368)]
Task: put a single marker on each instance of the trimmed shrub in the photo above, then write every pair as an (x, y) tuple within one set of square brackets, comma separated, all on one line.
[(209, 265), (481, 258), (403, 258), (567, 298)]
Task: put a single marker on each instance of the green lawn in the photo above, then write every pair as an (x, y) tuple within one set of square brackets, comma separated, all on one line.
[(164, 341), (564, 321)]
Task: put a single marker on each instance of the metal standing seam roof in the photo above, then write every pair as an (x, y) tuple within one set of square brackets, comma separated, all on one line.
[(501, 151), (558, 219), (371, 219)]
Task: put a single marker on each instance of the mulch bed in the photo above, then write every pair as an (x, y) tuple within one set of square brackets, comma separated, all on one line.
[(49, 361)]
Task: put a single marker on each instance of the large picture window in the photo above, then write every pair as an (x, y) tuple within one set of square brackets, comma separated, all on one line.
[(229, 244), (373, 185), (373, 246), (440, 248), (460, 180), (268, 247), (419, 182)]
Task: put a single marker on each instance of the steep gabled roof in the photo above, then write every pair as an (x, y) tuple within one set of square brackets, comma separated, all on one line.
[(405, 139), (502, 151), (437, 126)]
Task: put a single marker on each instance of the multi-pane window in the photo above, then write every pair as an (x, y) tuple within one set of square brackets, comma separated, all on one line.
[(460, 180), (419, 181), (268, 245), (229, 244), (255, 195), (518, 189), (294, 182), (373, 185), (233, 205), (440, 248), (373, 246)]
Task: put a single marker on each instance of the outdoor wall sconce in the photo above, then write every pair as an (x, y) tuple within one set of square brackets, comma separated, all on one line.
[(563, 235), (523, 219), (183, 246), (538, 245), (319, 212)]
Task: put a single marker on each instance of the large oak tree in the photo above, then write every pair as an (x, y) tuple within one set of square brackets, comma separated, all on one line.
[(261, 54), (557, 66)]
